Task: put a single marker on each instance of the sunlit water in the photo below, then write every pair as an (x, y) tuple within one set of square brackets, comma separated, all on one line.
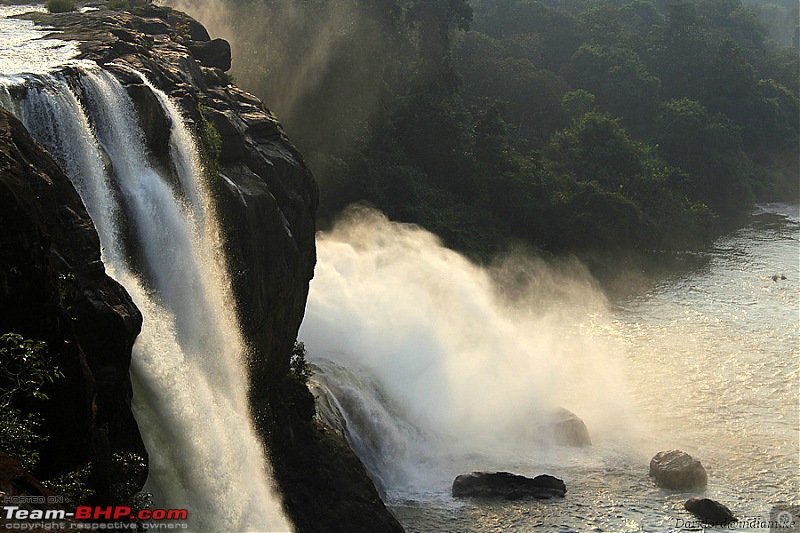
[(703, 359), (710, 359), (159, 239), (24, 48)]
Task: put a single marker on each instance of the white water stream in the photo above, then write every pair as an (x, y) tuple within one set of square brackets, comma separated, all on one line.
[(442, 367), (160, 240)]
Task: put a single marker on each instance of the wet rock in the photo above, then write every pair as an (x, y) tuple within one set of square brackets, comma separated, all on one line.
[(678, 470), (188, 27), (507, 486), (154, 122), (215, 53), (568, 429), (54, 288), (266, 199), (152, 26), (710, 512)]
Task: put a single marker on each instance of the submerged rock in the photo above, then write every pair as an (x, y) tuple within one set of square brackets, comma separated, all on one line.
[(677, 470), (710, 512), (569, 429), (507, 486)]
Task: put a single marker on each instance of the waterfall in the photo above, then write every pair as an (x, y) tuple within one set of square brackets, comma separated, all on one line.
[(439, 366), (160, 240)]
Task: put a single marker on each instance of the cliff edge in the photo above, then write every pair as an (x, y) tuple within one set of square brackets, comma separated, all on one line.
[(266, 200)]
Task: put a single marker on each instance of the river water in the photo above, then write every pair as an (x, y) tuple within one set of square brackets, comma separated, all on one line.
[(710, 366), (703, 356)]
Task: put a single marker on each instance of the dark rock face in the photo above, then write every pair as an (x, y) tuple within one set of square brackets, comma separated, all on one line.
[(677, 470), (569, 430), (53, 288), (216, 53), (507, 486), (710, 512)]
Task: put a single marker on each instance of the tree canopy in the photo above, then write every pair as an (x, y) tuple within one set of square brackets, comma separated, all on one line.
[(564, 124)]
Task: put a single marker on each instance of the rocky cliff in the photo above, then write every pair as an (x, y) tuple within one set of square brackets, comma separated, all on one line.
[(266, 201), (53, 288)]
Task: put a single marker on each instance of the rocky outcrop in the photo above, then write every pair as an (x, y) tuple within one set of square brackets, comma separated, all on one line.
[(710, 512), (215, 53), (507, 486), (53, 288), (266, 201), (568, 429), (266, 196), (677, 470)]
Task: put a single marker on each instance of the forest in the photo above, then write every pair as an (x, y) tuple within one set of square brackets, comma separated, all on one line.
[(562, 125)]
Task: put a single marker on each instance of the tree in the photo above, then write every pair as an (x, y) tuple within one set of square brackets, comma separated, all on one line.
[(620, 81), (709, 148), (435, 21), (597, 148), (26, 368)]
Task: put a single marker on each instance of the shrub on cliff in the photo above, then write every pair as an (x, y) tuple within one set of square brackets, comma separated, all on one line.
[(301, 369), (60, 6), (210, 143), (118, 4), (25, 369)]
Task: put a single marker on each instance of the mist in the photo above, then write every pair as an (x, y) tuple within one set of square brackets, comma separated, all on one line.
[(320, 68), (436, 358)]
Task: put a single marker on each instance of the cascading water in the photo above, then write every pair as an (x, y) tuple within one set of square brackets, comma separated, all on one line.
[(430, 366), (438, 367), (159, 240)]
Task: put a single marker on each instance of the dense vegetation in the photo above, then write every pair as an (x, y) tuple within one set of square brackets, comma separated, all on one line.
[(563, 124), (60, 6)]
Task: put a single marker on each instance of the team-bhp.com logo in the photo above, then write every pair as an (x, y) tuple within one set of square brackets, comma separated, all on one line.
[(94, 518)]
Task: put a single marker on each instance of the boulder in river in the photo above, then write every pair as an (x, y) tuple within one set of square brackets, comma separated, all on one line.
[(568, 429), (507, 486), (678, 470), (710, 512)]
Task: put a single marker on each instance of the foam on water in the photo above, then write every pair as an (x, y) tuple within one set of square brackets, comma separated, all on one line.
[(162, 243), (442, 367)]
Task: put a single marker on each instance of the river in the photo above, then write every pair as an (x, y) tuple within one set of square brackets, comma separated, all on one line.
[(702, 357)]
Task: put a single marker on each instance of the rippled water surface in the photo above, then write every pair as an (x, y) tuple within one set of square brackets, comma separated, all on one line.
[(23, 48), (708, 362)]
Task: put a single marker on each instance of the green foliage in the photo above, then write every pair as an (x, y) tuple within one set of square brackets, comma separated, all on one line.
[(615, 193), (19, 437), (561, 123), (301, 369), (597, 148), (118, 4), (577, 103), (127, 470), (25, 368), (210, 143), (73, 486), (60, 6), (618, 78)]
